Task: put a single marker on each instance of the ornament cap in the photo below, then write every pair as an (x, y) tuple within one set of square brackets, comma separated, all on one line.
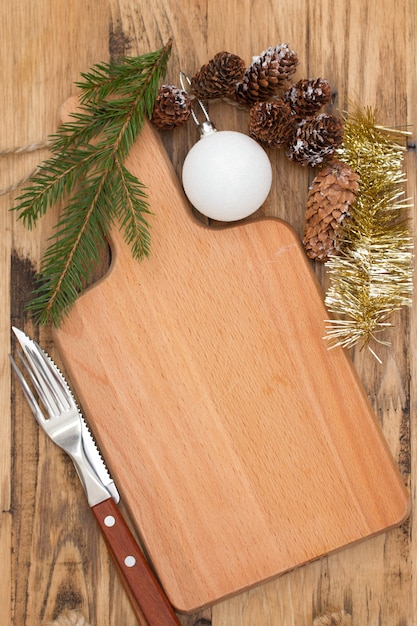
[(206, 128)]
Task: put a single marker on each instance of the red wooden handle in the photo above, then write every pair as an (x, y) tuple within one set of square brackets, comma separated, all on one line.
[(137, 577)]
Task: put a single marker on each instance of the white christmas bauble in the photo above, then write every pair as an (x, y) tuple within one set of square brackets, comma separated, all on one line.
[(227, 175)]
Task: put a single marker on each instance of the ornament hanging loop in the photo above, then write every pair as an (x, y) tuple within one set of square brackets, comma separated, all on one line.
[(206, 127)]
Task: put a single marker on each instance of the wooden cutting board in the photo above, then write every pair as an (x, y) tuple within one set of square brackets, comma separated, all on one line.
[(242, 446)]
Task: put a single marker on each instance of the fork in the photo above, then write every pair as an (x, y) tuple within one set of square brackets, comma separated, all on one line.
[(64, 425)]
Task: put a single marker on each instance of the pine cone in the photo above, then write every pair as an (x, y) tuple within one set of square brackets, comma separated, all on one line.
[(172, 107), (315, 139), (307, 96), (330, 196), (218, 78), (267, 74), (271, 123)]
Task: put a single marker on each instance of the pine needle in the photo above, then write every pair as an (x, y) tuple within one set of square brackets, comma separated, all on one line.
[(87, 172), (372, 277)]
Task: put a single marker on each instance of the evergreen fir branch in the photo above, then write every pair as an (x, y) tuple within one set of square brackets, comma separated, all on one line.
[(68, 263), (130, 208), (88, 171), (124, 128), (85, 125), (105, 79), (124, 79), (53, 182)]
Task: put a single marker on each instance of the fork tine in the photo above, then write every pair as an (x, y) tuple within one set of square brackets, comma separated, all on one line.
[(44, 383), (42, 390), (50, 386), (52, 375), (34, 406)]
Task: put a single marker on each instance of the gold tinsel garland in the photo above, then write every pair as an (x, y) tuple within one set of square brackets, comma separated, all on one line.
[(372, 276)]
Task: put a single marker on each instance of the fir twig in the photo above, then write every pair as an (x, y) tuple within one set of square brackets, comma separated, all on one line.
[(87, 172), (372, 277)]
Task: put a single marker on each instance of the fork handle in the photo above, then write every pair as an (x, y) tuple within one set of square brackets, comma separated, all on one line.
[(140, 583)]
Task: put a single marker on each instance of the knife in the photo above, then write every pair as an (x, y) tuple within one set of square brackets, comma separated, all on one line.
[(144, 591)]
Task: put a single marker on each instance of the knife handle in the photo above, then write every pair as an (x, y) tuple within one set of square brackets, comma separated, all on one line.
[(138, 579)]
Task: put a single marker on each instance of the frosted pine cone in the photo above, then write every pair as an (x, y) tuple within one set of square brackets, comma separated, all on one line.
[(316, 139), (271, 123), (307, 96), (330, 197), (172, 107), (269, 72), (218, 78)]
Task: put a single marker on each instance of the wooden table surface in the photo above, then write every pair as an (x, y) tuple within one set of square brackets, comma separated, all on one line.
[(52, 557)]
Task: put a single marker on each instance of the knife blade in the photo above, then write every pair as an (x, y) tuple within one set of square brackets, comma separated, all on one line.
[(96, 460), (144, 590)]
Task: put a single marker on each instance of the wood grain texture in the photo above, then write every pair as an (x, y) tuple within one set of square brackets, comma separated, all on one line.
[(52, 557), (215, 348)]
